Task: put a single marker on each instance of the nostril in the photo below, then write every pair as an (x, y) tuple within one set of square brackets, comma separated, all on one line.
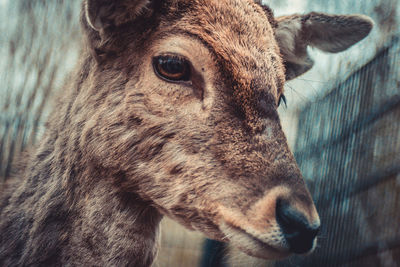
[(298, 232)]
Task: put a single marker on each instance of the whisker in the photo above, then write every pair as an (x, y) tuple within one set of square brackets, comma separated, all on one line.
[(302, 79), (299, 94)]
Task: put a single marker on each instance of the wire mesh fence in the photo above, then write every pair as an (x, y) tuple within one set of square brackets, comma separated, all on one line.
[(348, 149)]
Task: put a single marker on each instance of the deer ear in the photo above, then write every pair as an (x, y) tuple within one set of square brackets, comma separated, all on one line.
[(329, 33), (103, 13)]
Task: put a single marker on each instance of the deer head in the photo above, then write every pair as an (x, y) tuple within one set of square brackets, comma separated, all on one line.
[(180, 101)]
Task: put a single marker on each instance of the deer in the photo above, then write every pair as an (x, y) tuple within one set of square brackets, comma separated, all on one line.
[(171, 111)]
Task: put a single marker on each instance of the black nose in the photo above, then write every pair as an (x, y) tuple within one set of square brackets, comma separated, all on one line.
[(299, 233)]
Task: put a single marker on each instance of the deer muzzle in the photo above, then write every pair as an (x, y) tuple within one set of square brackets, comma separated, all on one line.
[(277, 225)]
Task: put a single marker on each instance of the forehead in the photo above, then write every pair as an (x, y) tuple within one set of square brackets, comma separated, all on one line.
[(239, 34)]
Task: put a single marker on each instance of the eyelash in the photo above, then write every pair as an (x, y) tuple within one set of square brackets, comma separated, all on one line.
[(282, 98)]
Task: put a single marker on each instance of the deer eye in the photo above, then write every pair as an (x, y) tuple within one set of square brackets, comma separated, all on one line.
[(282, 98), (172, 68)]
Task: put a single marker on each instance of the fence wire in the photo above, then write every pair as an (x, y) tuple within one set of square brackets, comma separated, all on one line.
[(348, 148)]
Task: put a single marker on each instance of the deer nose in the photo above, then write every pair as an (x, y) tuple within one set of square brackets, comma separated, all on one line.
[(298, 232)]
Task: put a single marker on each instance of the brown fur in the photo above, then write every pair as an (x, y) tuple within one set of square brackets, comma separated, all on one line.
[(123, 147)]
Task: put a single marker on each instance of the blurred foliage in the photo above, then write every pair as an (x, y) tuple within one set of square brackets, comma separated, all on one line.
[(39, 46)]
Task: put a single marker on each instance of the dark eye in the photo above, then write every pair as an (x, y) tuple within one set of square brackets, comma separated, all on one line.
[(172, 68), (282, 98)]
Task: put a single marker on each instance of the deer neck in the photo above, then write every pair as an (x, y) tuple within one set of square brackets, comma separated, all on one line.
[(116, 228), (78, 213)]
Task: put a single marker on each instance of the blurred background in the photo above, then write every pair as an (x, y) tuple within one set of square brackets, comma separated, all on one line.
[(342, 121)]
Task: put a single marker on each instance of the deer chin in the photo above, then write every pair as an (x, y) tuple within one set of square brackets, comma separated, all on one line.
[(267, 246)]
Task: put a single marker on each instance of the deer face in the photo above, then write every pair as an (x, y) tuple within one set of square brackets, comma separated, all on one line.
[(183, 101)]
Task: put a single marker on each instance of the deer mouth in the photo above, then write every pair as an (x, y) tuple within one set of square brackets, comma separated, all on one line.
[(253, 244)]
